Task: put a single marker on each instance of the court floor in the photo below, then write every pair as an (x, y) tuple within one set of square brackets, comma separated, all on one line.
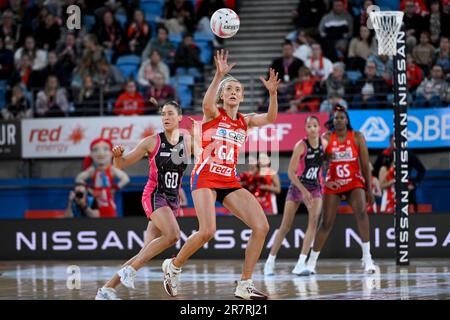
[(214, 279)]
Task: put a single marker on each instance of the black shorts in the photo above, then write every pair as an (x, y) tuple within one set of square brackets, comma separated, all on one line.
[(222, 193)]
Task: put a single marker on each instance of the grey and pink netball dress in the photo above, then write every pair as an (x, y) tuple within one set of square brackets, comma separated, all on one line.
[(167, 164), (309, 172)]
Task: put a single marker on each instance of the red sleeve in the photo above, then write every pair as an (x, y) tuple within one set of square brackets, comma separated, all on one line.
[(118, 106)]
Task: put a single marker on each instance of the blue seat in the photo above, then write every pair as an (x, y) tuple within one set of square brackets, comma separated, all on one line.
[(89, 22), (353, 76), (152, 6), (175, 38), (129, 70), (206, 52), (129, 59), (122, 19), (2, 94), (184, 94), (182, 80), (203, 36)]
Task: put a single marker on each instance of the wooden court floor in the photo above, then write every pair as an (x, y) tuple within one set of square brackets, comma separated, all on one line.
[(214, 279)]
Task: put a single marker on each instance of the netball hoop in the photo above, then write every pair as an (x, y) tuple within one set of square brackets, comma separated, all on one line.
[(392, 42)]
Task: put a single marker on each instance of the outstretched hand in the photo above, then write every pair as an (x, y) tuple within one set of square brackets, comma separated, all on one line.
[(273, 82), (221, 61)]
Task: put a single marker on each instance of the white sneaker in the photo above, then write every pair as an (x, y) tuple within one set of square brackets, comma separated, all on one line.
[(269, 267), (105, 293), (170, 277), (127, 276), (301, 270), (311, 268), (245, 289), (369, 266)]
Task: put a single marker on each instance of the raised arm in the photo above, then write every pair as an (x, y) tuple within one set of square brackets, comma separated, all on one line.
[(121, 161), (271, 85), (210, 110)]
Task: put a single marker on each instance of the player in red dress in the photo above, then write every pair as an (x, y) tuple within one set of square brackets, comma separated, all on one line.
[(348, 175), (214, 176)]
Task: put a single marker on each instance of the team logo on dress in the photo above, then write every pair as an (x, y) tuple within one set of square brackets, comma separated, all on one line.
[(222, 170), (230, 136), (163, 145)]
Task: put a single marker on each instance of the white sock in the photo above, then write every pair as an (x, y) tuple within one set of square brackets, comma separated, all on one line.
[(271, 258), (313, 258), (302, 258), (366, 250), (173, 267)]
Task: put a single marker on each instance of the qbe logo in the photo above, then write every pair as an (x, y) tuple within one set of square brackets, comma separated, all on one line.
[(375, 129)]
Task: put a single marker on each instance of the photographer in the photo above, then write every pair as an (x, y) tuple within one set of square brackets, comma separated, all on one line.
[(81, 204)]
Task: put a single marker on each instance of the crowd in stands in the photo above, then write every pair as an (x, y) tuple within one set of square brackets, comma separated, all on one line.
[(332, 56), (124, 53), (130, 50)]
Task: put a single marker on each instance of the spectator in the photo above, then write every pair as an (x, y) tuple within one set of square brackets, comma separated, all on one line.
[(9, 31), (442, 55), (52, 101), (308, 13), (160, 91), (304, 90), (103, 176), (287, 65), (87, 100), (110, 35), (68, 52), (437, 22), (371, 90), (320, 66), (413, 24), (22, 72), (360, 49), (432, 92), (81, 203), (55, 68), (423, 52), (387, 184), (86, 67), (47, 33), (138, 34), (162, 44), (19, 107), (187, 58), (413, 73), (38, 56), (130, 102), (337, 83), (333, 100), (179, 15), (302, 46), (110, 79), (362, 16), (269, 185), (335, 25), (92, 48), (6, 60), (384, 66), (150, 67)]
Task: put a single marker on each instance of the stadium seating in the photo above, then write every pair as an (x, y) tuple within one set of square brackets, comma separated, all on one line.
[(129, 65)]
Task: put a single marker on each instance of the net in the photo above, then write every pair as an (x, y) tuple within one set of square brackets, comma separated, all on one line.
[(387, 25)]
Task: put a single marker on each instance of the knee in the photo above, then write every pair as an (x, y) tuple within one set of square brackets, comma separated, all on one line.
[(326, 225), (206, 234), (173, 237), (261, 229)]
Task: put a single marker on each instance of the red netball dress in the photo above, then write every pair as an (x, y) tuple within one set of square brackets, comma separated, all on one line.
[(344, 167), (222, 138)]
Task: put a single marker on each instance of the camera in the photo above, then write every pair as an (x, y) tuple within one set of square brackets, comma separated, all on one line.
[(79, 194)]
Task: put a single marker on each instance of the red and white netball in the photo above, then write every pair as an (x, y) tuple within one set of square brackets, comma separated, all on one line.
[(225, 23)]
